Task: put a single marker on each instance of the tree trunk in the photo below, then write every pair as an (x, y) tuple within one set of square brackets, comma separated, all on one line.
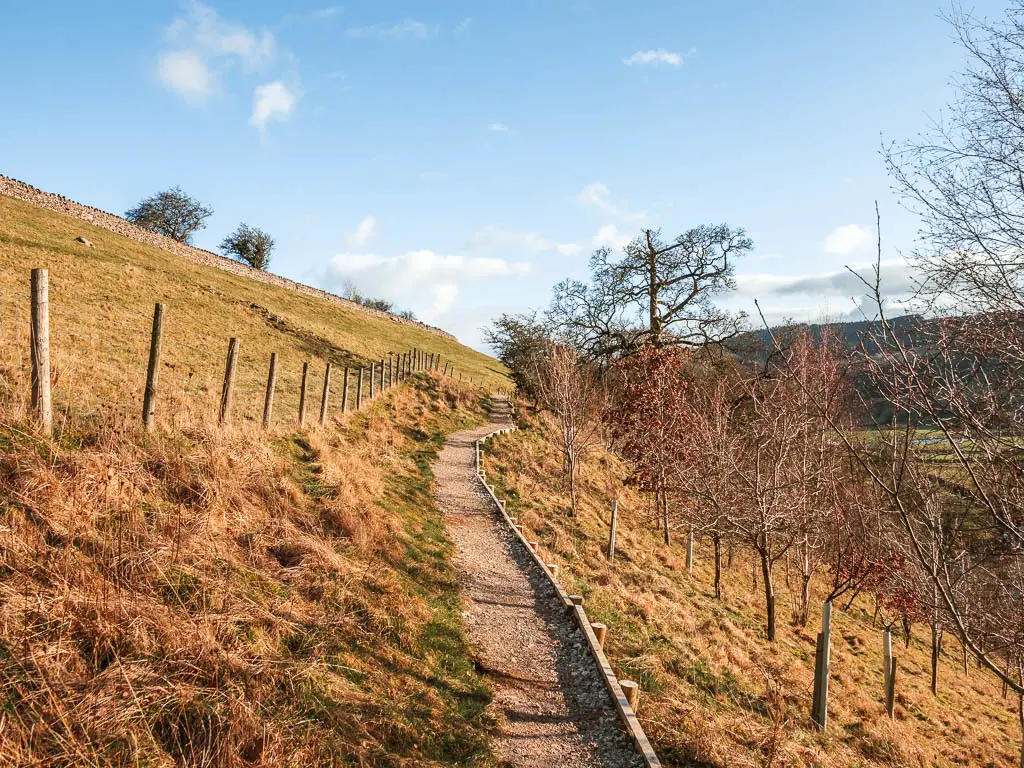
[(906, 630), (805, 599), (717, 540), (572, 485), (652, 292), (769, 593)]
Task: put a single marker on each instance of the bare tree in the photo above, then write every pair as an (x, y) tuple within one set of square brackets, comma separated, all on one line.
[(172, 213), (656, 292), (249, 245), (565, 385)]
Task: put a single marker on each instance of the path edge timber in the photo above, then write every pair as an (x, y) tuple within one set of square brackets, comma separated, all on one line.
[(611, 681)]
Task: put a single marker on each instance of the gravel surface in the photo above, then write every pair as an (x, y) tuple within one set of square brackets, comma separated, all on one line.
[(553, 706)]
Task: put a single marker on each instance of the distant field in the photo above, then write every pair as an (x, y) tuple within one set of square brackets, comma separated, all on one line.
[(101, 304)]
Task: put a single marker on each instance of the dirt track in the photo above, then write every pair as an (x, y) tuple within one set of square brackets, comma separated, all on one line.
[(553, 707)]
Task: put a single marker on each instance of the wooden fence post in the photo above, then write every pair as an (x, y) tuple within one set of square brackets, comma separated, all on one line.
[(359, 390), (600, 632), (156, 341), (382, 377), (373, 378), (819, 704), (344, 391), (302, 394), (445, 373), (326, 395), (227, 390), (889, 672), (42, 402), (268, 400), (611, 534)]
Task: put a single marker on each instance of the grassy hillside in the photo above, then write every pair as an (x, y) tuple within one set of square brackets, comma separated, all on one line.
[(221, 596), (714, 692), (101, 305)]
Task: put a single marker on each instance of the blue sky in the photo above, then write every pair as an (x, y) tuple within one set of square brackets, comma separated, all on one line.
[(460, 158)]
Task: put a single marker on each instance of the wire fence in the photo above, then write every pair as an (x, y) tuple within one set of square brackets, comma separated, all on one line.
[(102, 355)]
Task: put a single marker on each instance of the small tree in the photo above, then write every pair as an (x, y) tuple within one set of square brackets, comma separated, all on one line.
[(249, 245), (566, 386), (171, 213)]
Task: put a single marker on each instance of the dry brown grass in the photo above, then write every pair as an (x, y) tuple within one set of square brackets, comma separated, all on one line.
[(714, 692), (220, 597)]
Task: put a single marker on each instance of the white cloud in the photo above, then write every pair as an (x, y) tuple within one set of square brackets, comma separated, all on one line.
[(405, 29), (463, 26), (327, 13), (598, 196), (187, 73), (610, 237), (424, 281), (498, 127), (847, 239), (366, 229), (203, 29), (492, 237), (655, 57), (272, 101)]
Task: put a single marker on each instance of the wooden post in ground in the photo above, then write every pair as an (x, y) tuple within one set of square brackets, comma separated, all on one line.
[(302, 394), (632, 693), (382, 376), (611, 533), (601, 632), (42, 402), (344, 391), (228, 389), (888, 671), (359, 390), (325, 397), (373, 378), (445, 373), (819, 704), (268, 400), (689, 551), (156, 341)]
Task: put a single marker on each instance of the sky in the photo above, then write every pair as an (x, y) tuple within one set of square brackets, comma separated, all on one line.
[(459, 158)]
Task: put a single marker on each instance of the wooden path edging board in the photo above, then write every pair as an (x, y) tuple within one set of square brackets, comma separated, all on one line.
[(626, 713)]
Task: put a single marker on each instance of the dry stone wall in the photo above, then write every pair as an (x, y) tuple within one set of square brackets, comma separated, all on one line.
[(37, 197)]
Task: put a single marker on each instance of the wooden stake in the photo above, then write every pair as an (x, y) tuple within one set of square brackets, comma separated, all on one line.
[(228, 389), (268, 400), (326, 395), (302, 394), (611, 534), (689, 552), (819, 705), (553, 567), (601, 631), (373, 378), (42, 402), (888, 671), (344, 391), (359, 390), (156, 340), (631, 691), (381, 376)]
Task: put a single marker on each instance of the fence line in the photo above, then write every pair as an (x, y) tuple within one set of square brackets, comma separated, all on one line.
[(88, 341)]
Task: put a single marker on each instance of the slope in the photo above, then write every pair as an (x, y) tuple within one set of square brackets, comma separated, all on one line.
[(714, 691), (101, 305)]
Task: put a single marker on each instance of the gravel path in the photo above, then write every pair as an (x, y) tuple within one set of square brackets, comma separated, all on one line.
[(553, 707)]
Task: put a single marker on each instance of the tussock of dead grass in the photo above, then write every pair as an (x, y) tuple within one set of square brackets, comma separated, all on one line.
[(221, 597), (714, 692)]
